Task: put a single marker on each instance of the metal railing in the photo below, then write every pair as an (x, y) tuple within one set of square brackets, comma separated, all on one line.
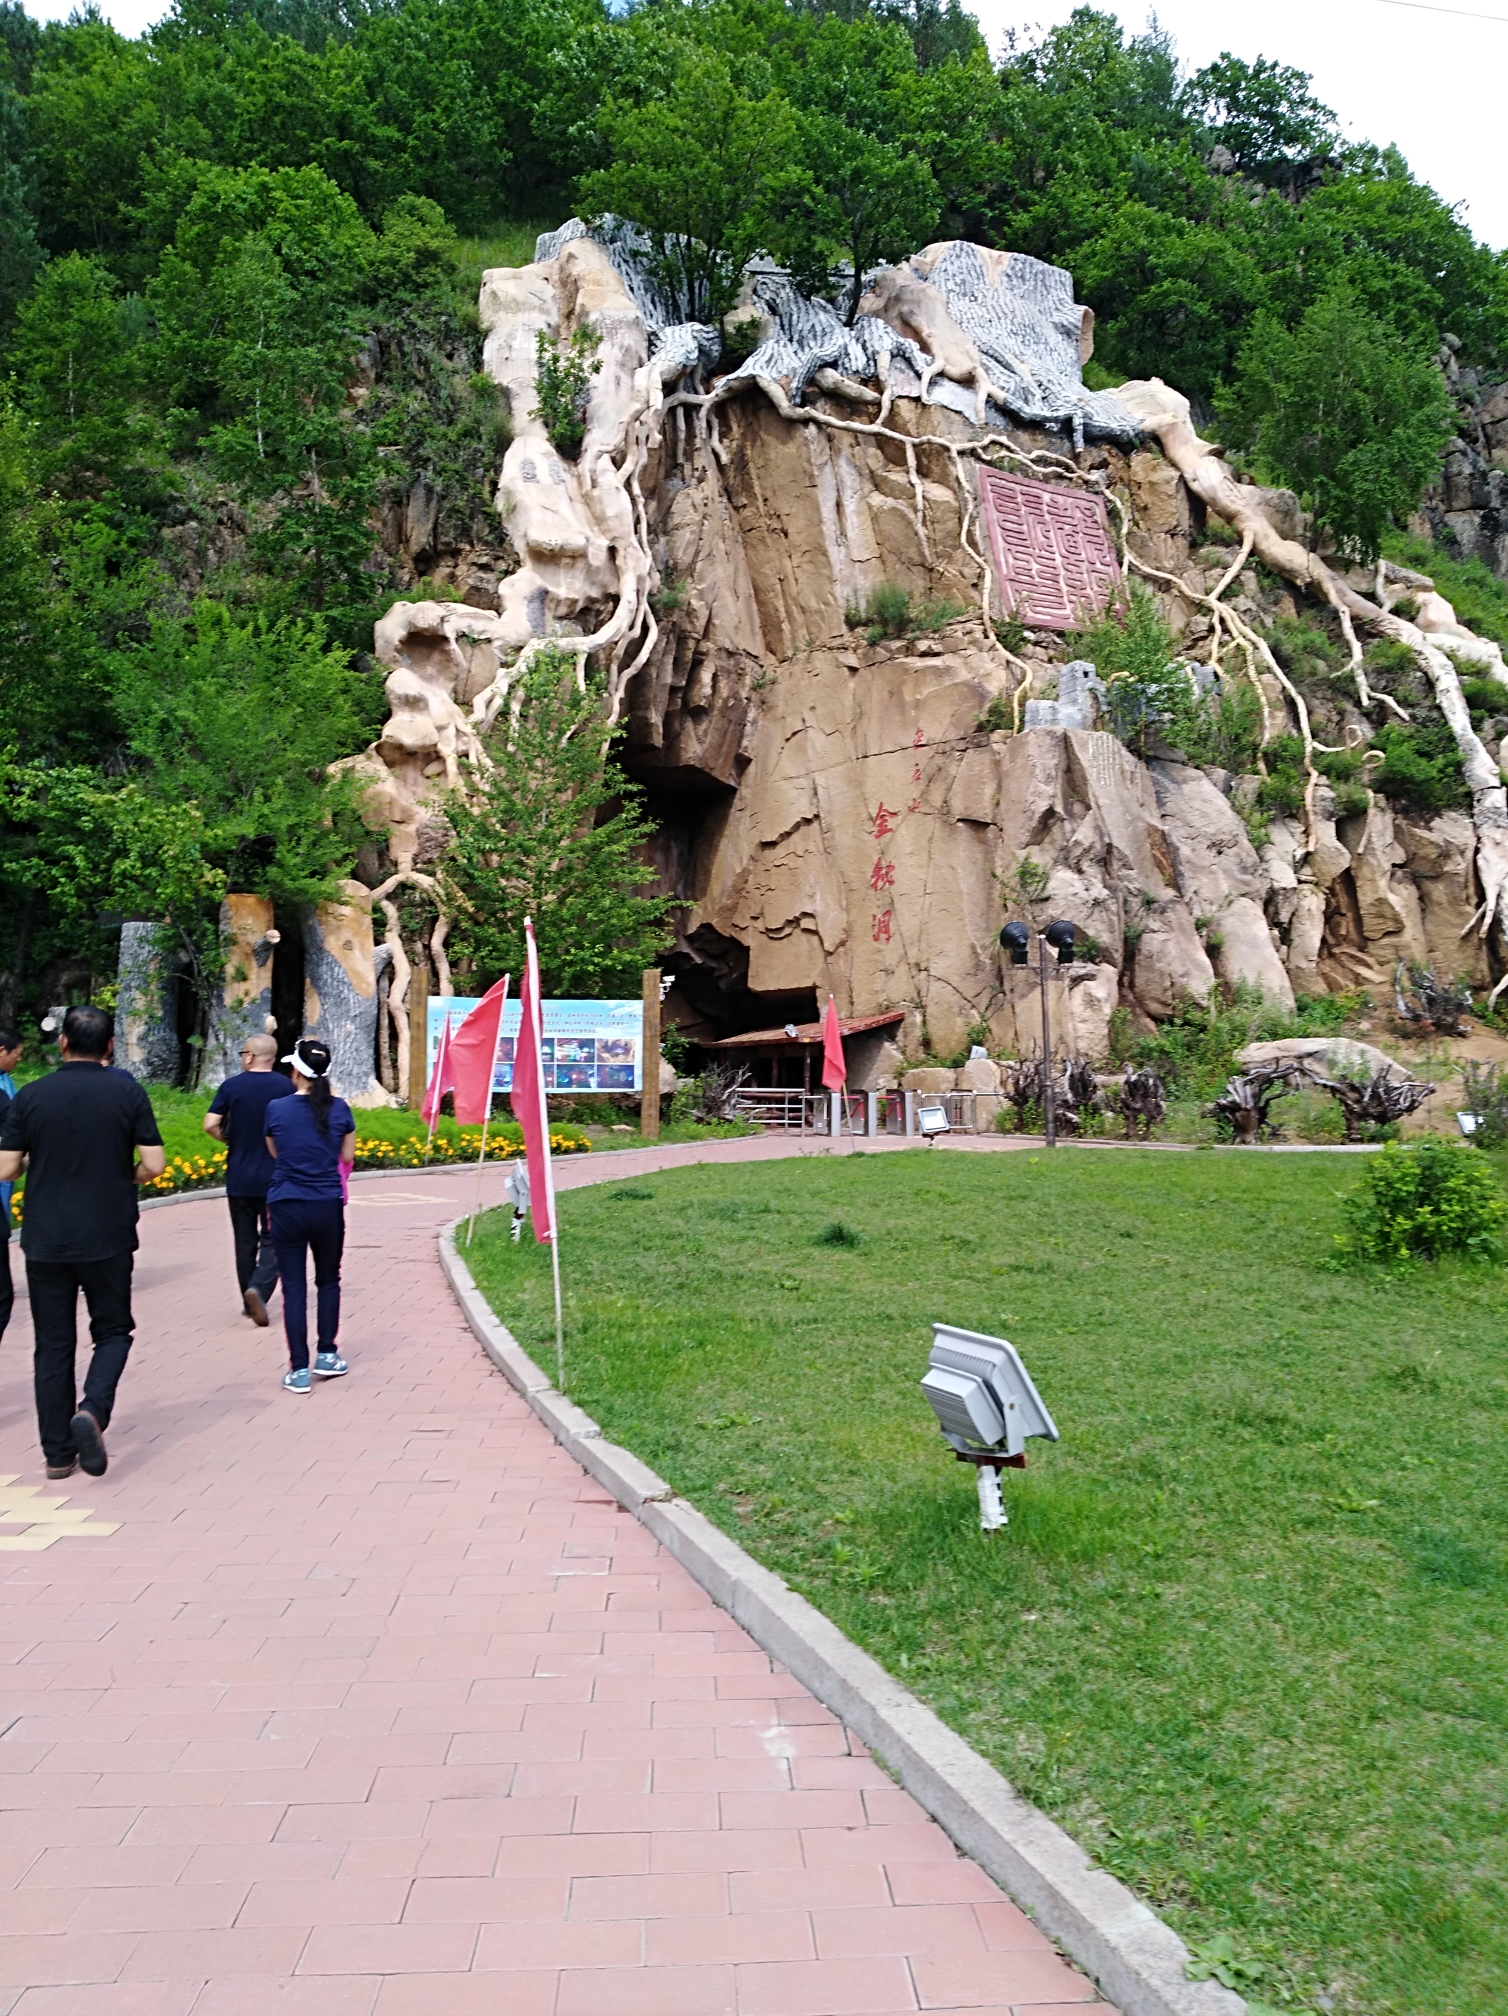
[(784, 1110)]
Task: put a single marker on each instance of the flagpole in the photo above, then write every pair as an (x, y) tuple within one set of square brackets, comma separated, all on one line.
[(441, 1049), (497, 1044), (544, 1131)]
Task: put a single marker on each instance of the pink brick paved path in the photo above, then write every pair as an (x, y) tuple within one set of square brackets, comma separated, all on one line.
[(375, 1703)]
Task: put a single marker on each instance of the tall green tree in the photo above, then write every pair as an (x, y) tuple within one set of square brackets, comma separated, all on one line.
[(554, 831), (863, 192), (1344, 412), (239, 717), (693, 169), (79, 353)]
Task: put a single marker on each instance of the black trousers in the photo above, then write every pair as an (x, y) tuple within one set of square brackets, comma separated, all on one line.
[(256, 1262), (54, 1286), (7, 1291), (302, 1226)]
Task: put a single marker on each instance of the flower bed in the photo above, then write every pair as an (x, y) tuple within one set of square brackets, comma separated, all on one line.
[(374, 1151)]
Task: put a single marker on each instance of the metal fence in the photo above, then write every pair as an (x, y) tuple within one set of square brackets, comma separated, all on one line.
[(782, 1110)]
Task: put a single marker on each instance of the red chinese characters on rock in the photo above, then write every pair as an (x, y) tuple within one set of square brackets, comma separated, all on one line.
[(1055, 561), (884, 821), (882, 875), (879, 926)]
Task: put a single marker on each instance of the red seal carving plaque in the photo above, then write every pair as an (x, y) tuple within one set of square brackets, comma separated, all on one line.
[(1055, 563)]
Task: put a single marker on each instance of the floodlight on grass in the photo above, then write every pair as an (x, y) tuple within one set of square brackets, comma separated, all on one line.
[(932, 1119), (986, 1406)]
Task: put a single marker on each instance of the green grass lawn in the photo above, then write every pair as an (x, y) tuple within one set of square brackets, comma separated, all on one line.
[(1245, 1635)]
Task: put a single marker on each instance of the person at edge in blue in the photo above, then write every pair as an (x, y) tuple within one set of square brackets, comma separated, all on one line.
[(237, 1116), (308, 1137), (10, 1057)]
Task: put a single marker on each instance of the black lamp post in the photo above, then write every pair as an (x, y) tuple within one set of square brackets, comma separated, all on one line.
[(1014, 940)]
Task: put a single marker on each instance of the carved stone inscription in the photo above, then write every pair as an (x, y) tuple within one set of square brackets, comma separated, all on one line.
[(1055, 562)]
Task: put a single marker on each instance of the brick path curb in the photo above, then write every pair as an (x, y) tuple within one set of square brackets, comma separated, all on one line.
[(1135, 1959)]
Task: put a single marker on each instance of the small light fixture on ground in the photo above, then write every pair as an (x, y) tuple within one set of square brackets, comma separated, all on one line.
[(932, 1120), (987, 1408)]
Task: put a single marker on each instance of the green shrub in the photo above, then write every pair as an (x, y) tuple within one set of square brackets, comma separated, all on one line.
[(836, 1233), (1306, 652), (1195, 1052), (892, 611), (1423, 767), (562, 382), (1485, 696), (1422, 1202)]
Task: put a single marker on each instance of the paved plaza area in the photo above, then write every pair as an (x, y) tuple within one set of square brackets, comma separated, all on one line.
[(372, 1704)]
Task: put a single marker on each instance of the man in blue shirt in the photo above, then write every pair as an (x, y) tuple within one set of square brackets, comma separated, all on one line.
[(238, 1116)]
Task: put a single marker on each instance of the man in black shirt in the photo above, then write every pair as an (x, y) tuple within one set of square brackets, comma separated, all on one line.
[(10, 1057), (79, 1131), (238, 1116)]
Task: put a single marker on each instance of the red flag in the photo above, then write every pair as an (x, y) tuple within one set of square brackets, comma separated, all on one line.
[(441, 1080), (834, 1069), (530, 1104), (473, 1056)]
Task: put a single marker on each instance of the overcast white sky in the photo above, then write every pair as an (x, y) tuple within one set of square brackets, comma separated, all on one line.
[(1427, 77)]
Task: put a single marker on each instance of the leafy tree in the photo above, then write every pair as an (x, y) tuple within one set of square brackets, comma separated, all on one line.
[(1343, 412), (554, 832), (692, 169), (238, 718), (20, 254), (1263, 114), (78, 350), (95, 121), (863, 193)]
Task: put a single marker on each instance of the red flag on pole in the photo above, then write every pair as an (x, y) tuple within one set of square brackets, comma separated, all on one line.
[(473, 1051), (834, 1069), (440, 1078), (530, 1103)]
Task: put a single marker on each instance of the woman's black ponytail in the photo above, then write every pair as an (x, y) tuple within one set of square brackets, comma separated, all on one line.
[(316, 1057)]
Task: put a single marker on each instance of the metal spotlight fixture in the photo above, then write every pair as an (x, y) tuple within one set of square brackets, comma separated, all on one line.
[(1060, 936), (986, 1406), (1014, 940)]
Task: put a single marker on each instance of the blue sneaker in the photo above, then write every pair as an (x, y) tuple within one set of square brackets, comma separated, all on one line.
[(298, 1382), (329, 1365)]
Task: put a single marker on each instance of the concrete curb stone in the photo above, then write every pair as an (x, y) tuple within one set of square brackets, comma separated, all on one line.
[(1136, 1960)]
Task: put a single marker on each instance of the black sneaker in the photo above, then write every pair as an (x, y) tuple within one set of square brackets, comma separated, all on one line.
[(256, 1308), (56, 1472), (90, 1444)]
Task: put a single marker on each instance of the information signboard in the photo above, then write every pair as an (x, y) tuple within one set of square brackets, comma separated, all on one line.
[(587, 1046)]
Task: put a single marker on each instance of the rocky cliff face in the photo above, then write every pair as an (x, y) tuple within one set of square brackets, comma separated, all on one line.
[(850, 816), (838, 818), (1467, 510)]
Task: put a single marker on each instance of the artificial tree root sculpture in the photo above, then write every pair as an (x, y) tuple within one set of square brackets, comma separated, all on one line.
[(1142, 1103), (1248, 1099), (1373, 1102)]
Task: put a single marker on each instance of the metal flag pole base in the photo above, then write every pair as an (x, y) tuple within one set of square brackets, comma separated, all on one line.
[(477, 1203), (559, 1321)]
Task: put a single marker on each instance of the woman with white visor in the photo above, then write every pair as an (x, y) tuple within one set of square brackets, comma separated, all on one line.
[(308, 1138)]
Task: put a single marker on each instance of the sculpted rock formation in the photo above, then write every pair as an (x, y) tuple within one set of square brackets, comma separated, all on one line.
[(842, 815)]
